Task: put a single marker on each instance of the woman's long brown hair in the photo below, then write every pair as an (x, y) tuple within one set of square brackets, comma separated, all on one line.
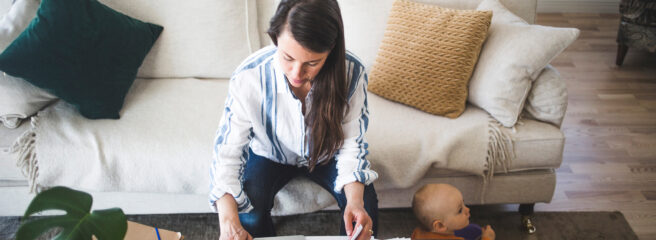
[(317, 25)]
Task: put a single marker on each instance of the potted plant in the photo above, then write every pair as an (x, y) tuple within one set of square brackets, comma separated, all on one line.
[(79, 223)]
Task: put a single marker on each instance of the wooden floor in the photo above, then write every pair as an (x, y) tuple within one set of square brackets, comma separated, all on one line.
[(610, 127)]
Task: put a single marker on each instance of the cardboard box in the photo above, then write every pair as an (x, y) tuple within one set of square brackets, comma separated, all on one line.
[(138, 231)]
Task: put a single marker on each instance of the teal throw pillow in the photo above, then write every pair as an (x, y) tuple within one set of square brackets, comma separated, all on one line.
[(83, 52)]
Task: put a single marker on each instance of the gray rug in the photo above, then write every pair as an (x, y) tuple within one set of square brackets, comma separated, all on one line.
[(397, 223)]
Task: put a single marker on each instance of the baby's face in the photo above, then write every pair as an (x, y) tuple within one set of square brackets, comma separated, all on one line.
[(457, 216)]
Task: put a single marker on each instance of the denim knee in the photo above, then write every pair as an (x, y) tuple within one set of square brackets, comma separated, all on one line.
[(253, 218), (257, 223)]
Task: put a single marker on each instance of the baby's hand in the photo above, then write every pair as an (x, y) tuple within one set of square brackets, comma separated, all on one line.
[(488, 233)]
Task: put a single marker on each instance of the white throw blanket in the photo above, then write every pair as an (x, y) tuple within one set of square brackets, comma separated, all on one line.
[(163, 143)]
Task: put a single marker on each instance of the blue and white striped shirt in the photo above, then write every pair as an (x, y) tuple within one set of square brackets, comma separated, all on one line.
[(262, 113)]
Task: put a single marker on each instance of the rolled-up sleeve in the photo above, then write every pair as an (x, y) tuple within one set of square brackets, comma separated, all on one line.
[(352, 164), (230, 151)]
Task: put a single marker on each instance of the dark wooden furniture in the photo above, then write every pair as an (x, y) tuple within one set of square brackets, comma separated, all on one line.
[(637, 27)]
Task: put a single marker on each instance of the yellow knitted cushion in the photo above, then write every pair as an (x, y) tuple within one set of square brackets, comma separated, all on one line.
[(427, 56)]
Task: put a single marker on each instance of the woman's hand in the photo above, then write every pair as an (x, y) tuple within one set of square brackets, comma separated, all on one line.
[(232, 230), (229, 224), (355, 212)]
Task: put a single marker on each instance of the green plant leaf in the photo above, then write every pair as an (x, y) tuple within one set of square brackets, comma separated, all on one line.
[(78, 223), (109, 223), (75, 203), (34, 228)]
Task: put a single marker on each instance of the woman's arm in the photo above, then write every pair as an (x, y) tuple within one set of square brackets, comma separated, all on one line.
[(230, 143), (227, 209), (353, 168), (226, 194), (354, 193), (351, 159), (355, 212)]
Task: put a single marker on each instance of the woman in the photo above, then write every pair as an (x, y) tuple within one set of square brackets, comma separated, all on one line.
[(298, 108)]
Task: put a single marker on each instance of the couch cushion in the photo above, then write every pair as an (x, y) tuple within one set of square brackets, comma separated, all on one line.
[(5, 6), (162, 143), (536, 144), (427, 56), (401, 135), (202, 38), (265, 10)]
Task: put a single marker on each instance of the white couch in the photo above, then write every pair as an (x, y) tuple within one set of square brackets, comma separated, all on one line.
[(173, 109)]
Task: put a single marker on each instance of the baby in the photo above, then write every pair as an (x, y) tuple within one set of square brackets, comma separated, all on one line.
[(443, 215)]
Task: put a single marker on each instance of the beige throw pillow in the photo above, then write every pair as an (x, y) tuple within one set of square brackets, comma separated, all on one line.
[(427, 56), (547, 101), (513, 55)]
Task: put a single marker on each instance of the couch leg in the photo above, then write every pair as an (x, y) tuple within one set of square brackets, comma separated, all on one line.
[(526, 210), (621, 52)]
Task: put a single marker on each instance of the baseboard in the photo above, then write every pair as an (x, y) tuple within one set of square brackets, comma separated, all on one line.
[(580, 6)]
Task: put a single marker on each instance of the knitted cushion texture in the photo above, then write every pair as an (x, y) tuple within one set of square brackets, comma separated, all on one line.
[(427, 56)]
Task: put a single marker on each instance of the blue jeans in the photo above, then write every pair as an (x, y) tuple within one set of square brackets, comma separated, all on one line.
[(263, 178)]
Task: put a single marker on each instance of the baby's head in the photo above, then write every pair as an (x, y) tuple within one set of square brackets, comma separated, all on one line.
[(440, 208)]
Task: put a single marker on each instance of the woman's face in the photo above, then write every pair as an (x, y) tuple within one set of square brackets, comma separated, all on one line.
[(299, 64)]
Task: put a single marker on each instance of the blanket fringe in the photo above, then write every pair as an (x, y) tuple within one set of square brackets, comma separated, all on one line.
[(500, 152), (24, 146)]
